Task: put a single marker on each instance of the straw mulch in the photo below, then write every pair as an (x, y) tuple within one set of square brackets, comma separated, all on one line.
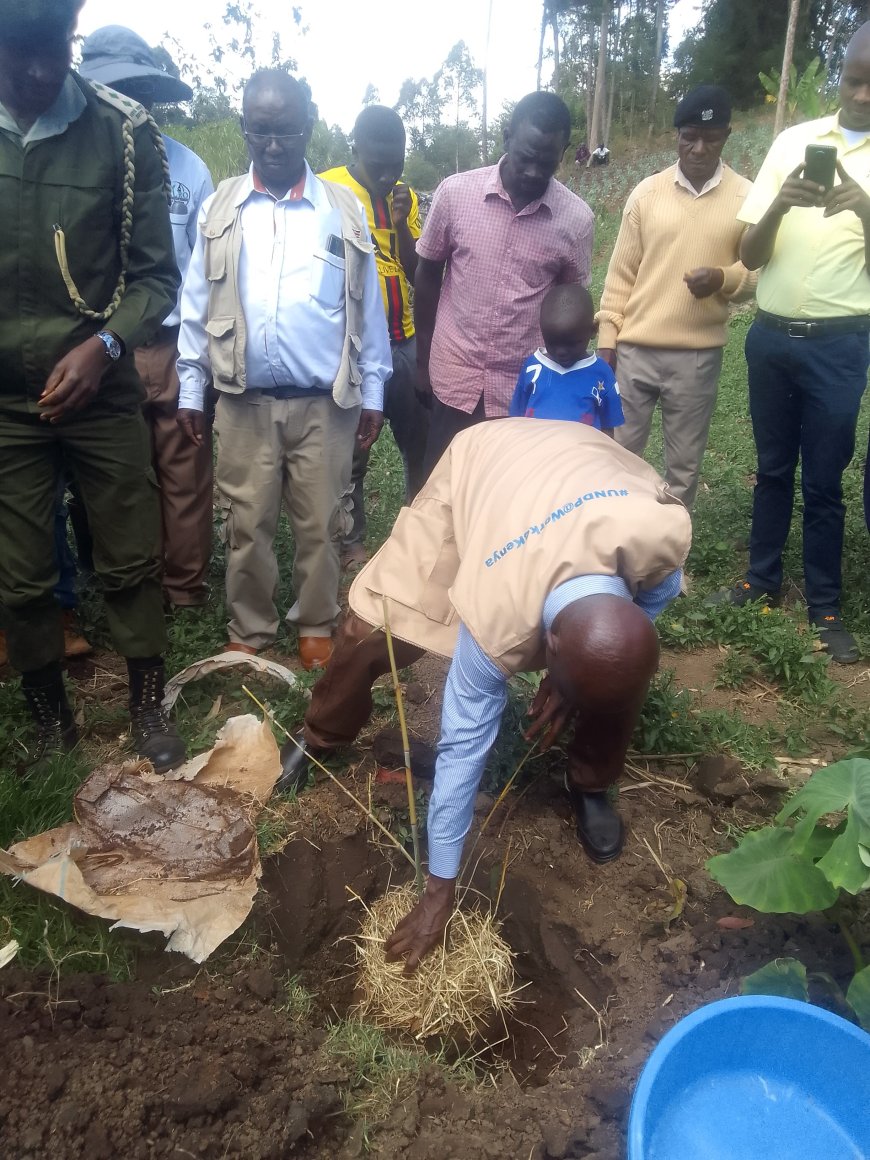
[(457, 987)]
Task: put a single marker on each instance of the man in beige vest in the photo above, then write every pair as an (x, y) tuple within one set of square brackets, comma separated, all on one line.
[(534, 545), (282, 307)]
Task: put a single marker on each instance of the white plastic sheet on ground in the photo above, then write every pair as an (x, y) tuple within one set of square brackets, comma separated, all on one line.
[(175, 853)]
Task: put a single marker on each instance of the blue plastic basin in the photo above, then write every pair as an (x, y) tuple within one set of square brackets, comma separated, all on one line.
[(755, 1078)]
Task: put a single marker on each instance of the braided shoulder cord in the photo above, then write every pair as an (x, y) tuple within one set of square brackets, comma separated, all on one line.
[(129, 190)]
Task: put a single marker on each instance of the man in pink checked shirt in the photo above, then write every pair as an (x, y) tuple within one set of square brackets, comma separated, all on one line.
[(495, 240)]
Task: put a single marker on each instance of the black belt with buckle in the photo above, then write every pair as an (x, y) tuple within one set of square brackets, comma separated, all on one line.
[(816, 328)]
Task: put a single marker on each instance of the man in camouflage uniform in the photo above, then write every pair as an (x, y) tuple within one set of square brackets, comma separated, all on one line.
[(87, 273)]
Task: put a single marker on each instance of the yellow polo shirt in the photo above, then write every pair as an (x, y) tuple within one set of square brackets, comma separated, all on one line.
[(817, 269), (394, 283)]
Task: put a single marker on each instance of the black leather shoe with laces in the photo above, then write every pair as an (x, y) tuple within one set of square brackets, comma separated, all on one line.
[(154, 736), (55, 728)]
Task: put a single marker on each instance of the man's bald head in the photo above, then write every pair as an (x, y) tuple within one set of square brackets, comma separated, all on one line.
[(277, 84), (602, 652), (855, 82)]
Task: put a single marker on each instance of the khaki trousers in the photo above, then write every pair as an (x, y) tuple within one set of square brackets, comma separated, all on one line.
[(685, 382), (295, 450), (184, 473)]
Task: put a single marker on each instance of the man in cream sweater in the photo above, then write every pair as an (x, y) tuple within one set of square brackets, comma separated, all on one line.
[(664, 307)]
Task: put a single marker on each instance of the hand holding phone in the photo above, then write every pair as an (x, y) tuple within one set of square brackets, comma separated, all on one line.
[(820, 165)]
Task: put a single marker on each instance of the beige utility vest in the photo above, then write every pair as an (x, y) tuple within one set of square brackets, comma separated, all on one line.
[(513, 509), (226, 329)]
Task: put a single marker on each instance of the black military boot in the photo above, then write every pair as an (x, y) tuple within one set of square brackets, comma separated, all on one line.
[(154, 736), (55, 728)]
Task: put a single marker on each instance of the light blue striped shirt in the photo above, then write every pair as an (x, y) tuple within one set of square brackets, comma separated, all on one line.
[(474, 699)]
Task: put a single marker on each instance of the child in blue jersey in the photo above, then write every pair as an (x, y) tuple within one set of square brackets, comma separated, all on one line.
[(563, 381)]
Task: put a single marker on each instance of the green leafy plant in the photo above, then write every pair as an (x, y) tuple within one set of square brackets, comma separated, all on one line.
[(817, 850), (808, 94)]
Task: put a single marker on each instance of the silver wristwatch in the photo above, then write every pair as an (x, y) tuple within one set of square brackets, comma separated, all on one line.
[(113, 347)]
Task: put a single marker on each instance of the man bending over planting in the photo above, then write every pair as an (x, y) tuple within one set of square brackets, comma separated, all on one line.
[(533, 546)]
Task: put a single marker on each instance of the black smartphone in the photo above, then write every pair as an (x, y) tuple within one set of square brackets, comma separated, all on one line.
[(820, 165)]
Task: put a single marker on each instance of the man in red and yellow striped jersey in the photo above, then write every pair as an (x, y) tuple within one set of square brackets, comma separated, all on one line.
[(394, 220)]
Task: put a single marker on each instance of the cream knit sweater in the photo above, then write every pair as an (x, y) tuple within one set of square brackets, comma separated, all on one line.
[(665, 233)]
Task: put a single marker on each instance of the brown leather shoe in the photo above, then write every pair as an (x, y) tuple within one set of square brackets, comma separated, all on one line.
[(74, 644), (315, 651), (237, 646)]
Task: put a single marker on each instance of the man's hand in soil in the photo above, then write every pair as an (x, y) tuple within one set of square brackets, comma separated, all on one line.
[(550, 713), (370, 424), (704, 281), (423, 928), (401, 203), (192, 423), (74, 381)]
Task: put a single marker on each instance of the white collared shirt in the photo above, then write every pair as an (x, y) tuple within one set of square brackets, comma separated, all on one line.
[(681, 179), (191, 185), (291, 288)]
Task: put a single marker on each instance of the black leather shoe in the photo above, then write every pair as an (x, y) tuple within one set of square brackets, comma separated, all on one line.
[(295, 765), (599, 827), (154, 736)]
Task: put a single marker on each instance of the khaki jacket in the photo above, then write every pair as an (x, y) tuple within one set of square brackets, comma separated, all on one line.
[(226, 328), (514, 508)]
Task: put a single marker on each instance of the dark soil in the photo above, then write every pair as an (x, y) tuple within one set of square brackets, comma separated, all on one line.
[(205, 1063)]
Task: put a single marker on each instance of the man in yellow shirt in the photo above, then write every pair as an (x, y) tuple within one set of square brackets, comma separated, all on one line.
[(664, 308), (807, 351), (393, 215)]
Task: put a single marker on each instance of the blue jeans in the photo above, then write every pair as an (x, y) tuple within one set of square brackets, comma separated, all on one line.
[(804, 396)]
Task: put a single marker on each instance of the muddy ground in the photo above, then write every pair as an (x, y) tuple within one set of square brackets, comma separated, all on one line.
[(205, 1062)]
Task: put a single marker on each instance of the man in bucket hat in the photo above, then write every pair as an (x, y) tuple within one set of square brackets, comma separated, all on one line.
[(674, 270), (119, 58)]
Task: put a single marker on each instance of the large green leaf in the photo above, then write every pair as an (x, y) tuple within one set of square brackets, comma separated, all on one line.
[(784, 977), (770, 872), (842, 787), (858, 997)]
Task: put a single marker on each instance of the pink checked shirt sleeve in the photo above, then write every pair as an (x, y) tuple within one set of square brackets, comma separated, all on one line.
[(500, 264)]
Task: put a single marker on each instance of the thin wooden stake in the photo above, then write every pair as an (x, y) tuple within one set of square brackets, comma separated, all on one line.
[(371, 817), (406, 746)]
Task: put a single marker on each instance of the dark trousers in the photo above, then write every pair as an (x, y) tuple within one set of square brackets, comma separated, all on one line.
[(341, 704), (108, 455), (444, 423), (409, 422), (804, 397)]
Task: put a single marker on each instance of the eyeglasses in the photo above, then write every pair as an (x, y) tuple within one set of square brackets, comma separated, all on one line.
[(259, 139)]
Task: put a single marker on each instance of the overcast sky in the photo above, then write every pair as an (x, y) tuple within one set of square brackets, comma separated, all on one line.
[(349, 44)]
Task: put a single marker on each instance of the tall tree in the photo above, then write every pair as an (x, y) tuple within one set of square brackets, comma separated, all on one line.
[(787, 57), (657, 62), (597, 126)]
